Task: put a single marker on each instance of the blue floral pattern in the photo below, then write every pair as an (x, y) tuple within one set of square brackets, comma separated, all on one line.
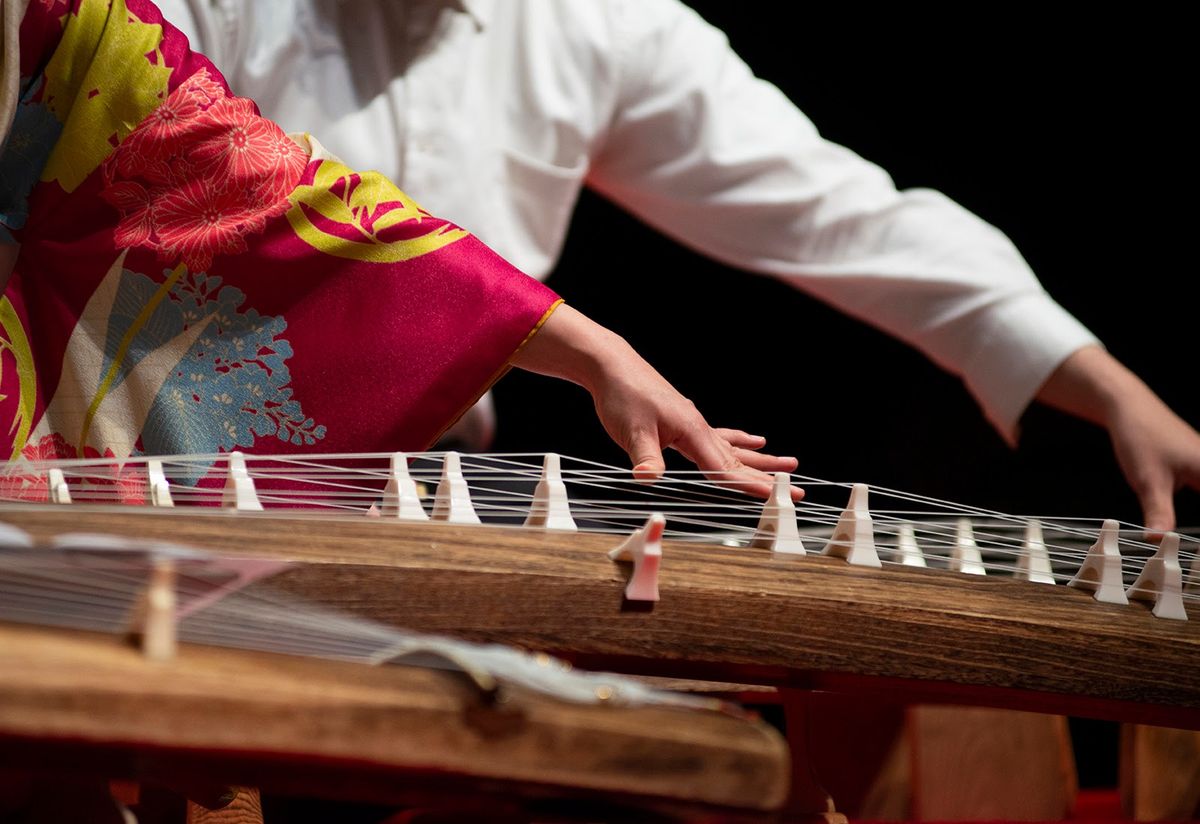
[(232, 385)]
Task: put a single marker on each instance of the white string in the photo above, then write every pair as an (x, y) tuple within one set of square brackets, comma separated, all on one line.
[(705, 508), (95, 592)]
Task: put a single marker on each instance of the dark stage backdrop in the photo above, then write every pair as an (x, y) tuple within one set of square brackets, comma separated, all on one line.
[(1067, 135)]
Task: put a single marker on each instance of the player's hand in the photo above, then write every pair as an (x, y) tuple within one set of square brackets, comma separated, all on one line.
[(1158, 452), (641, 411)]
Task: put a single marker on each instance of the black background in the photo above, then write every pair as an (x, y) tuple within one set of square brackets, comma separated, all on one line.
[(1067, 134)]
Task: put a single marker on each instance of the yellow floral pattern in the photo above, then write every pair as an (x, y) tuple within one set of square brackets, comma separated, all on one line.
[(368, 205), (14, 351)]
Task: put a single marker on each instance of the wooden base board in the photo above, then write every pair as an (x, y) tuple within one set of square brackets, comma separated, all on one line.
[(228, 717)]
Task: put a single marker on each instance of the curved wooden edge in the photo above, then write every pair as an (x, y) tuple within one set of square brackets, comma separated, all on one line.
[(897, 691), (294, 716), (725, 614)]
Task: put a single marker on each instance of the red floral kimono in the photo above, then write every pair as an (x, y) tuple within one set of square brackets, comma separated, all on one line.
[(192, 280)]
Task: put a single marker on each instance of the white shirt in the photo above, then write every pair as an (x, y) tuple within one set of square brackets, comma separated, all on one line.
[(494, 113)]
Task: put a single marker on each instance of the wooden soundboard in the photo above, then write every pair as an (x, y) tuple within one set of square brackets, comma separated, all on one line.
[(727, 614)]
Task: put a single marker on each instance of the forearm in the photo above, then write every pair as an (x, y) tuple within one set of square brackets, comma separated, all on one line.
[(702, 149), (1093, 385), (572, 347)]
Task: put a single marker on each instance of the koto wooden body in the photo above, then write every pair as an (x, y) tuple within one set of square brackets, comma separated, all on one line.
[(71, 701), (739, 615)]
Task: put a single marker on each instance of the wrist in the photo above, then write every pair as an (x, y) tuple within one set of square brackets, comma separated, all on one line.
[(1093, 385), (573, 347), (598, 354)]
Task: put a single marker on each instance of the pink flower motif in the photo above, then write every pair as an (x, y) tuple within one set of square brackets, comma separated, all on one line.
[(288, 162), (201, 89), (24, 487), (163, 126), (35, 487), (199, 220), (200, 173), (137, 213), (52, 447), (116, 483), (246, 149), (149, 148)]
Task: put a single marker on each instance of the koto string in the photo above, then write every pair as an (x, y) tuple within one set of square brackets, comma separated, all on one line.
[(369, 493), (98, 591), (57, 592), (686, 497)]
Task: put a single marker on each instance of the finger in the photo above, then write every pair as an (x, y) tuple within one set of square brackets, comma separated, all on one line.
[(1189, 474), (767, 463), (713, 455), (1158, 507), (736, 437), (646, 454), (745, 448)]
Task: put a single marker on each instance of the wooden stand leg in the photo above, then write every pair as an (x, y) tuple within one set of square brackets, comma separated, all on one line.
[(1160, 773), (971, 763), (808, 802), (859, 754)]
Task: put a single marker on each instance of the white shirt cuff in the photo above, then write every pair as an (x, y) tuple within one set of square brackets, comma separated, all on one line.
[(1021, 342)]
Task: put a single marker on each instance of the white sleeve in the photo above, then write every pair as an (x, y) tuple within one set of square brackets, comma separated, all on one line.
[(722, 161)]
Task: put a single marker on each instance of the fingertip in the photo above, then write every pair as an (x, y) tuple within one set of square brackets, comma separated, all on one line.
[(645, 453), (648, 472), (1160, 516), (737, 437), (797, 494), (1158, 524), (1153, 535)]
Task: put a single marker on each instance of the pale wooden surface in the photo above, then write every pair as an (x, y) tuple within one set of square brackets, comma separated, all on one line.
[(1160, 773), (77, 689), (981, 764), (726, 614)]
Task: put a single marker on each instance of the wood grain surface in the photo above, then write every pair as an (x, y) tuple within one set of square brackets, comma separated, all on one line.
[(739, 615), (387, 724), (977, 764)]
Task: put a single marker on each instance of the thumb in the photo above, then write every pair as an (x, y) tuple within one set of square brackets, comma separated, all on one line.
[(646, 454)]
